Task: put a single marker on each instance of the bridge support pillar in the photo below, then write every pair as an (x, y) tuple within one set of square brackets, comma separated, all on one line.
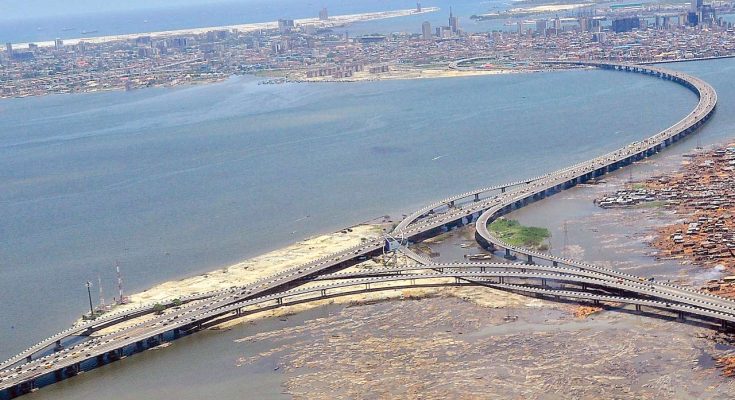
[(681, 316), (477, 196), (555, 263), (72, 370), (638, 308), (324, 292), (596, 302), (543, 282), (58, 346), (279, 301), (502, 189), (723, 325), (29, 359), (508, 255), (529, 260), (59, 375)]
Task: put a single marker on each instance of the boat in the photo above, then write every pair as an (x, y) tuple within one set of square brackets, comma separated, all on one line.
[(89, 32)]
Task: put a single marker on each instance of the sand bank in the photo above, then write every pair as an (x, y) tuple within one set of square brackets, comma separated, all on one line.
[(404, 73), (252, 269), (333, 21)]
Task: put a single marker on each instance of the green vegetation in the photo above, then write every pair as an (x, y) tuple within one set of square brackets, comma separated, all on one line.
[(651, 204), (512, 232), (158, 308), (176, 302), (638, 186)]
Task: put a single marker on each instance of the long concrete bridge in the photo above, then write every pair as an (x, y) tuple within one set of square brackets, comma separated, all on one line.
[(40, 364)]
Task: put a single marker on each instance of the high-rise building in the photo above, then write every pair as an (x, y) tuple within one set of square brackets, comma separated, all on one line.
[(323, 14), (444, 32), (696, 5), (58, 44), (692, 18), (626, 24), (426, 30), (707, 15), (453, 21), (418, 7), (285, 25), (541, 26), (584, 24), (9, 48)]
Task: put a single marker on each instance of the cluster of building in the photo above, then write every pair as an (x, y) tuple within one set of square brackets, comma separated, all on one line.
[(316, 52), (627, 198), (703, 194)]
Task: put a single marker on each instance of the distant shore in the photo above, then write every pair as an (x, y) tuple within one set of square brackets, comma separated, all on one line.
[(334, 21), (406, 74)]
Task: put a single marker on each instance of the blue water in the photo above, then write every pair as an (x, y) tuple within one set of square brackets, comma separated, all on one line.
[(107, 22), (172, 182)]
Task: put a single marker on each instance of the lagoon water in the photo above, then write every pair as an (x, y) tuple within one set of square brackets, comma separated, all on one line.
[(171, 182)]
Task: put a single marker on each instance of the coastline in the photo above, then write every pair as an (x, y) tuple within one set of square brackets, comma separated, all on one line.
[(269, 77), (693, 220), (252, 269), (405, 74), (333, 21)]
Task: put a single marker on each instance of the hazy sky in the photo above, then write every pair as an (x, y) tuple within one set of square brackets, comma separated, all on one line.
[(16, 9)]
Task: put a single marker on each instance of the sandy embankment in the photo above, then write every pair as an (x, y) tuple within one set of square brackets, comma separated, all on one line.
[(307, 250), (252, 269), (547, 8), (333, 21), (404, 73)]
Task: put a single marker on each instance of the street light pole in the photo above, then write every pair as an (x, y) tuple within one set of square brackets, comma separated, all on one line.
[(89, 293)]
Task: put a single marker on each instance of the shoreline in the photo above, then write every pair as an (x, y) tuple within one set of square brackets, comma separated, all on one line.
[(406, 74), (265, 78), (693, 225), (333, 21)]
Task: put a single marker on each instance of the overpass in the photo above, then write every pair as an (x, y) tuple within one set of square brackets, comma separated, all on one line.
[(98, 351), (481, 206)]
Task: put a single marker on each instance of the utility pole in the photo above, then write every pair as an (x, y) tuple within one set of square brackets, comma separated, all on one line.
[(89, 293), (102, 297), (566, 241)]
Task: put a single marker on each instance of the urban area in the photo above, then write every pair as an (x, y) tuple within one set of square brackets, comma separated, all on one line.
[(315, 51)]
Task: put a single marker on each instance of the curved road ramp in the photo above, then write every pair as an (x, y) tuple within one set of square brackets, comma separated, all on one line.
[(69, 352)]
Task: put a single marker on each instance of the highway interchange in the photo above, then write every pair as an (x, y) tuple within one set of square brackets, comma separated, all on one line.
[(588, 282)]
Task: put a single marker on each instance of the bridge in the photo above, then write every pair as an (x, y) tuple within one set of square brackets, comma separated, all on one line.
[(539, 274)]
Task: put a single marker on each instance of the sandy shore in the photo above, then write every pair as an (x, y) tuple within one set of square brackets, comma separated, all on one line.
[(252, 269), (547, 8), (333, 21), (404, 73)]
